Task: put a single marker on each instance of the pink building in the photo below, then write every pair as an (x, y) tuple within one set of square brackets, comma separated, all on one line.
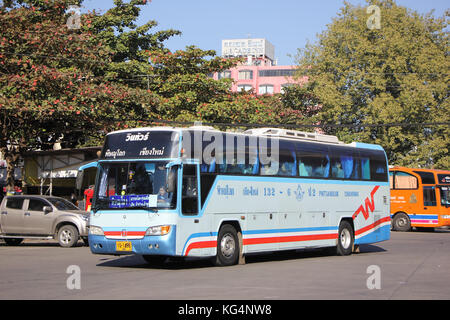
[(260, 72)]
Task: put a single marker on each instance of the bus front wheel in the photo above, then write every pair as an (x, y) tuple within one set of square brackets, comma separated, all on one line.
[(227, 246)]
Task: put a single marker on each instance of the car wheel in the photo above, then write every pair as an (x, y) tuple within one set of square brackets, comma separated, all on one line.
[(68, 236)]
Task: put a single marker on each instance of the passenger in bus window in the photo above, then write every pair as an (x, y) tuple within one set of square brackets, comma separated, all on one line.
[(322, 169), (304, 170), (270, 169), (286, 169), (337, 171)]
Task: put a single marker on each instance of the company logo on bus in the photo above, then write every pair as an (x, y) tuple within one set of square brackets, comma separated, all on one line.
[(369, 205), (299, 193), (137, 137)]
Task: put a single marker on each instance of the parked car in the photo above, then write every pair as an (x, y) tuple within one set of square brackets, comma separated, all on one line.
[(33, 216)]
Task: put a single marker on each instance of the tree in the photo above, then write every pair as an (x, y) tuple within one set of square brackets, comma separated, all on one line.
[(76, 84), (52, 81), (367, 77)]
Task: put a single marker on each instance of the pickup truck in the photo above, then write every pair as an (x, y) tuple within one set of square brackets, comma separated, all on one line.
[(42, 217)]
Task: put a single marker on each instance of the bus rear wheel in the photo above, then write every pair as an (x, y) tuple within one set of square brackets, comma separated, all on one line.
[(345, 239), (227, 246), (401, 222)]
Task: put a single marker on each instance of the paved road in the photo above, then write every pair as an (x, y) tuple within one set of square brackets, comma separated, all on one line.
[(414, 265)]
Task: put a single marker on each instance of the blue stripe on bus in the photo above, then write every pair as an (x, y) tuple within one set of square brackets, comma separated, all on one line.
[(421, 216), (381, 234)]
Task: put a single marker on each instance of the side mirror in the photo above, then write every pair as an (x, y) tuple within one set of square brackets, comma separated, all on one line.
[(47, 209), (79, 179)]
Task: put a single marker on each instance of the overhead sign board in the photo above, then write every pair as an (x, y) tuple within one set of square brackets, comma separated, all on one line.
[(246, 47)]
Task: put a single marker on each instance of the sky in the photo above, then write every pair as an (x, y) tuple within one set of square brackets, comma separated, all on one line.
[(287, 24)]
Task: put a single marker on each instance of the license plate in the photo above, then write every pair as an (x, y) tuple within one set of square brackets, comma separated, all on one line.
[(123, 246)]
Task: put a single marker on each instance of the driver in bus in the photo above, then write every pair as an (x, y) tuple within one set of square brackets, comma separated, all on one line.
[(163, 196), (141, 182)]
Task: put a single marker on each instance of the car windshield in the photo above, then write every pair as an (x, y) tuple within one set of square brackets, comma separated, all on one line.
[(62, 204), (135, 185)]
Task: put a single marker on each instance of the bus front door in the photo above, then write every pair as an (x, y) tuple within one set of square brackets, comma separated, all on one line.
[(190, 208)]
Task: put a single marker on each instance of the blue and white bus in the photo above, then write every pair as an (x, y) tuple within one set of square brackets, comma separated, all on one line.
[(200, 192)]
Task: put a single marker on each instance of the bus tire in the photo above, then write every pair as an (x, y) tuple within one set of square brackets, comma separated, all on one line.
[(401, 222), (345, 239), (227, 246)]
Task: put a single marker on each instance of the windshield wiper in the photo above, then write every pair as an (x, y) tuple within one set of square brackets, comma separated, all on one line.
[(143, 207)]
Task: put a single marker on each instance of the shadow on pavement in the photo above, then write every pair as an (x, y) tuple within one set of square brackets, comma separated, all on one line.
[(179, 263)]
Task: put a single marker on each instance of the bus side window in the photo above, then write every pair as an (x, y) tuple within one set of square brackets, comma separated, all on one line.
[(403, 180), (345, 163), (429, 196), (313, 160), (288, 163), (189, 192), (365, 168)]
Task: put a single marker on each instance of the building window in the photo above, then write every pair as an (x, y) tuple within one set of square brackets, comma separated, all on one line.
[(245, 75), (224, 74), (277, 73), (265, 88), (244, 87)]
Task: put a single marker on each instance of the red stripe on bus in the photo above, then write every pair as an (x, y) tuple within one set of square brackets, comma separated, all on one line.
[(201, 245), (251, 241), (129, 233), (373, 225)]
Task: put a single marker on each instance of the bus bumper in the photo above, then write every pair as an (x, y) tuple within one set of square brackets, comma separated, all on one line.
[(148, 245)]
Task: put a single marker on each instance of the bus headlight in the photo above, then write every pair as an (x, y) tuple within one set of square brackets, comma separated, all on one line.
[(157, 231), (96, 231)]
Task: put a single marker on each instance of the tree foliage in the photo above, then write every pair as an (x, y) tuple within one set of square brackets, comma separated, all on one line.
[(73, 85), (397, 74)]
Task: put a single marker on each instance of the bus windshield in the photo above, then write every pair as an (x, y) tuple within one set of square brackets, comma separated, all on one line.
[(135, 185), (445, 196)]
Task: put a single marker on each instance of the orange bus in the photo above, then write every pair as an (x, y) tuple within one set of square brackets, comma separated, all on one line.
[(419, 198)]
